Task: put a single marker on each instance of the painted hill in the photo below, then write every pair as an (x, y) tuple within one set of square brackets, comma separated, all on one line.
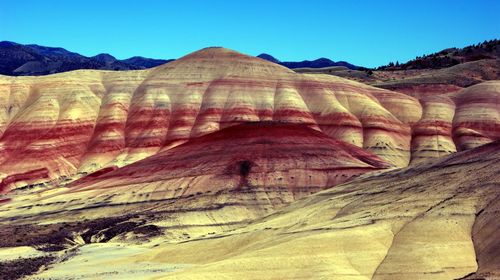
[(75, 123), (267, 157), (222, 165)]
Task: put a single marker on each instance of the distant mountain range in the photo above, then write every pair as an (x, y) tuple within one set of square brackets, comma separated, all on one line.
[(318, 63), (31, 60), (27, 60)]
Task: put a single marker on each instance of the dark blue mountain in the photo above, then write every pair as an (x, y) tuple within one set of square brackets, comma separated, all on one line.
[(318, 63), (27, 60)]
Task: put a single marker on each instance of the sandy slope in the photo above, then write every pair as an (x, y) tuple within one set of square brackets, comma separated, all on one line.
[(430, 221)]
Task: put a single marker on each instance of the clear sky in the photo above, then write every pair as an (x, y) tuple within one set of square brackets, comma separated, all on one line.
[(368, 33)]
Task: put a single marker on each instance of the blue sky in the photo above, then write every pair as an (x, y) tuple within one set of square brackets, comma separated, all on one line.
[(369, 33)]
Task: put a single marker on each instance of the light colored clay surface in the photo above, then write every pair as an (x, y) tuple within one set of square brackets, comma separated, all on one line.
[(107, 261), (415, 223)]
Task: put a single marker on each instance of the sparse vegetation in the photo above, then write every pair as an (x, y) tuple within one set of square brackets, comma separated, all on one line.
[(449, 57), (18, 269)]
